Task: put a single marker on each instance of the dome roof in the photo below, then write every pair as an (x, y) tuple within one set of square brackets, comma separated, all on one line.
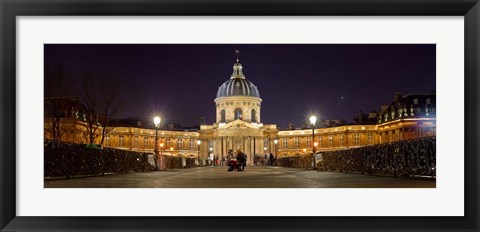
[(238, 85)]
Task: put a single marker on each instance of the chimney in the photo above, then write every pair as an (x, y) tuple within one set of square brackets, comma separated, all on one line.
[(202, 120), (398, 95)]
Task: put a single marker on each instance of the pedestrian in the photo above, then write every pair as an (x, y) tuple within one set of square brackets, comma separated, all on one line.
[(271, 159), (239, 159), (210, 159), (244, 161), (265, 159)]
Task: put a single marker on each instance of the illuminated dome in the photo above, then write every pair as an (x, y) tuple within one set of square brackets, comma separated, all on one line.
[(238, 85)]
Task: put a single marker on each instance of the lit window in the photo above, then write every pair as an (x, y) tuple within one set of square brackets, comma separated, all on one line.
[(285, 143), (309, 141), (356, 139), (191, 144), (320, 139), (330, 140), (296, 142), (145, 143), (341, 140), (415, 101), (107, 141), (121, 140), (167, 143), (370, 138), (179, 144), (135, 141)]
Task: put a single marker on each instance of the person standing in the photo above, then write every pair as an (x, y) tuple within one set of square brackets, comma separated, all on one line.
[(244, 161), (210, 158), (271, 159)]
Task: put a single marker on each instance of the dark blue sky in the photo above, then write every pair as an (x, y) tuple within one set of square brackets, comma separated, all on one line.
[(180, 81)]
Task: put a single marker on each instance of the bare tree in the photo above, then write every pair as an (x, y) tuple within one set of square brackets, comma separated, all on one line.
[(109, 104), (90, 100), (100, 95), (58, 85)]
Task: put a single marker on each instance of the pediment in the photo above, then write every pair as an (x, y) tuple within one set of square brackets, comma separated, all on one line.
[(239, 124)]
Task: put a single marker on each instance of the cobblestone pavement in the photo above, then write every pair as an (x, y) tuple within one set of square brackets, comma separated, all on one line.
[(252, 177)]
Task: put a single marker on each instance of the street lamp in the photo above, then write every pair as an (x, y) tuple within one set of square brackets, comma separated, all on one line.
[(156, 121), (161, 148), (266, 154), (313, 120), (211, 154), (275, 141), (198, 143)]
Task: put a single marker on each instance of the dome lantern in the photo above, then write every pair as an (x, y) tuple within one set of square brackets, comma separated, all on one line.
[(238, 85)]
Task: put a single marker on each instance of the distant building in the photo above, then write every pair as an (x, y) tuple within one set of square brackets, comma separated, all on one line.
[(407, 117), (238, 126)]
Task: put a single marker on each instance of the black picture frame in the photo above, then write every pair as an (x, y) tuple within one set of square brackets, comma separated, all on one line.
[(469, 9)]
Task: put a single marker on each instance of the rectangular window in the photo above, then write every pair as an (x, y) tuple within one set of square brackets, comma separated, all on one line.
[(341, 140), (330, 140), (121, 140), (167, 143), (179, 144), (309, 141), (107, 141), (370, 138), (285, 143), (297, 142), (145, 143), (356, 139), (191, 144), (320, 141), (135, 141)]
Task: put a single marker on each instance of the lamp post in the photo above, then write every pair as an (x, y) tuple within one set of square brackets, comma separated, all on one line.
[(213, 157), (156, 121), (313, 120), (266, 155), (198, 143), (161, 148), (275, 141)]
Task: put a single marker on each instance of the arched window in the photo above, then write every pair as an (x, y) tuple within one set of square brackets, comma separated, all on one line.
[(254, 115), (222, 115), (415, 101), (238, 113), (428, 101)]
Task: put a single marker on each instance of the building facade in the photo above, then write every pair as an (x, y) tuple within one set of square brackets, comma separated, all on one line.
[(238, 126)]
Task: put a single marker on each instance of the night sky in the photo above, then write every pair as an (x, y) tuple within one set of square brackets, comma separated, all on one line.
[(180, 81)]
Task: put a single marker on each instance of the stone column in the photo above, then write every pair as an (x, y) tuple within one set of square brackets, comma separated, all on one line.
[(222, 147)]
